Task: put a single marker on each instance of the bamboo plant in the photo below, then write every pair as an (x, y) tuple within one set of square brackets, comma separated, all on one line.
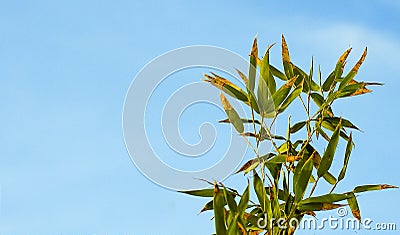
[(281, 178)]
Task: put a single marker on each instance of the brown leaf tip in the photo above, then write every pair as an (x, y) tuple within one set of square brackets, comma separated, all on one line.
[(360, 61), (385, 186), (285, 50), (344, 56), (254, 49)]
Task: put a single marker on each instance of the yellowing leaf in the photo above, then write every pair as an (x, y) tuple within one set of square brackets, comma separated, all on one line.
[(232, 114)]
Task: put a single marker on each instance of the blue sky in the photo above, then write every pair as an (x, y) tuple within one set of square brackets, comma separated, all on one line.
[(65, 67)]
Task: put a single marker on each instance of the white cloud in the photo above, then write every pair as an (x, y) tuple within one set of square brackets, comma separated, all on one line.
[(382, 47)]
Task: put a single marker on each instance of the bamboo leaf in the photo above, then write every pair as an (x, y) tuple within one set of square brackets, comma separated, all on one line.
[(243, 77), (233, 226), (232, 114), (226, 86), (278, 73), (296, 92), (265, 102), (209, 192), (337, 73), (286, 59), (282, 194), (317, 160), (249, 165), (353, 204), (296, 127), (280, 95), (230, 200), (261, 194), (244, 201), (317, 98), (313, 85), (302, 181), (274, 169), (282, 158), (243, 120), (319, 101), (219, 211), (329, 153), (327, 198), (328, 82), (372, 187), (350, 75), (329, 178), (302, 78), (208, 206), (319, 206), (266, 73), (349, 148), (334, 121), (253, 65)]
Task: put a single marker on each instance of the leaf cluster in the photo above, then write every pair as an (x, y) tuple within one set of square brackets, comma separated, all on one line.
[(282, 177)]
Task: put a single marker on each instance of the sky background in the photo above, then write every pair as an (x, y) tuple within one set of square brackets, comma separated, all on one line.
[(65, 67)]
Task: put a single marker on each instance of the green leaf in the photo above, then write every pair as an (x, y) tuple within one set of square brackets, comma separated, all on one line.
[(264, 135), (287, 65), (319, 206), (352, 73), (233, 227), (226, 86), (232, 114), (244, 201), (243, 77), (302, 181), (349, 148), (317, 98), (353, 204), (209, 192), (243, 120), (278, 73), (296, 127), (230, 200), (337, 73), (253, 65), (265, 102), (261, 194), (328, 82), (372, 187), (276, 210), (313, 85), (219, 211), (349, 90), (208, 206), (296, 92), (249, 165), (280, 95), (282, 158), (266, 73), (282, 195), (302, 78), (329, 153), (334, 121), (317, 160), (329, 178), (274, 169), (327, 198)]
